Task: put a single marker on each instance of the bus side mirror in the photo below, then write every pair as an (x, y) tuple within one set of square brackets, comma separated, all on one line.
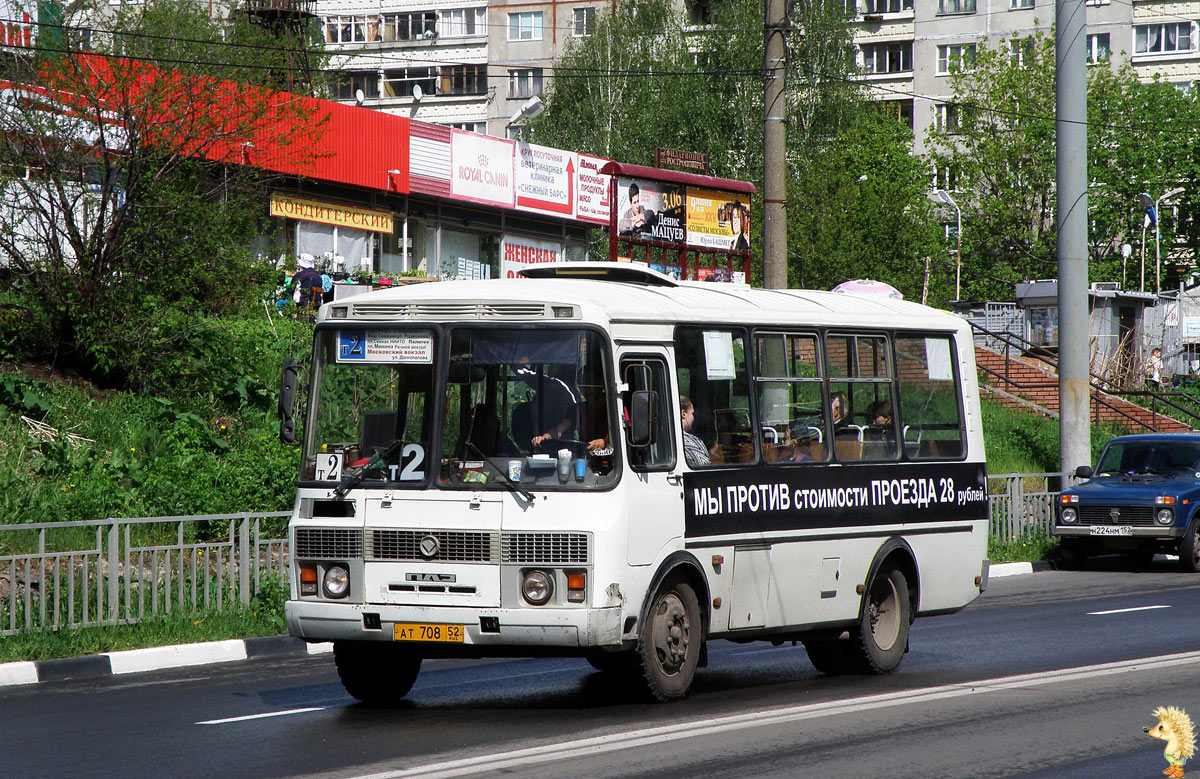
[(641, 418), (287, 399), (1083, 472)]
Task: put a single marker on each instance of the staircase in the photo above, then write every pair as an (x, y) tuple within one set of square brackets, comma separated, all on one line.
[(1019, 380)]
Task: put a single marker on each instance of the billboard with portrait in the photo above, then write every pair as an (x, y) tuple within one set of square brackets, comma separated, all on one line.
[(676, 215), (717, 220)]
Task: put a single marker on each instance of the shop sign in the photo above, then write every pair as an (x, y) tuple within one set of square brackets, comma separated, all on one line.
[(592, 190), (545, 180), (481, 168), (518, 253), (1191, 329), (331, 214)]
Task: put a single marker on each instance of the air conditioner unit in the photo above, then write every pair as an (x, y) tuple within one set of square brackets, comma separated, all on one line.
[(1106, 286), (872, 17)]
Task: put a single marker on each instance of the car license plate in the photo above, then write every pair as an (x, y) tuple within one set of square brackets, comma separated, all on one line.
[(1112, 530), (415, 631)]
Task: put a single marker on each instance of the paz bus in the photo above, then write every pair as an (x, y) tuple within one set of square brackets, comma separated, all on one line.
[(601, 461)]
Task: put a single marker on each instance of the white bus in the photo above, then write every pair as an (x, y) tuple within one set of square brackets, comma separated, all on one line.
[(500, 468)]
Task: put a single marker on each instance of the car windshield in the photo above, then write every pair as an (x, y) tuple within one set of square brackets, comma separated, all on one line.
[(1165, 458), (527, 407)]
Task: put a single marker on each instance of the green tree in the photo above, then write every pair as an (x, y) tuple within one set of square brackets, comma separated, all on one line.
[(998, 147), (128, 209), (643, 80)]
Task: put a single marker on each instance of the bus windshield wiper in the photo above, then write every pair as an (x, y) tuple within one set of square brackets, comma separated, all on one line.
[(378, 460), (512, 485)]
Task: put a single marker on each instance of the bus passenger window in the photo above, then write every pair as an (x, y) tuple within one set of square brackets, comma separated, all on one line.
[(860, 368), (930, 399), (712, 372), (788, 384)]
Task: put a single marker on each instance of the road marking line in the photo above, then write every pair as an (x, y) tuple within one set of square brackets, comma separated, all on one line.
[(1124, 611), (264, 715), (707, 727)]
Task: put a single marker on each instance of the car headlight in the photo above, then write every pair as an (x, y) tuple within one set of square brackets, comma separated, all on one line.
[(537, 587), (336, 581), (1069, 515), (1164, 516)]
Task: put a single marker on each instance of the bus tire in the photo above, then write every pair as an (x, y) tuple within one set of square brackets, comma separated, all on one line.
[(669, 646), (1189, 547), (879, 643), (375, 673)]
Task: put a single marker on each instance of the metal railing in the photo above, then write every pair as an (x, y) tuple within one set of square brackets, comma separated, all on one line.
[(1021, 505), (56, 575), (1170, 402)]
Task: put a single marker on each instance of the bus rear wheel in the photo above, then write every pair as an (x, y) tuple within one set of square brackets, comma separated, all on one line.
[(828, 657), (669, 648), (375, 673), (879, 643)]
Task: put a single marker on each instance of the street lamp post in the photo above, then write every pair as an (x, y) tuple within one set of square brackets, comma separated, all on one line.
[(942, 196), (1147, 204), (1157, 257)]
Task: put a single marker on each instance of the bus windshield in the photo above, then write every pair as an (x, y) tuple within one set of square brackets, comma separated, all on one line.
[(528, 406), (372, 394)]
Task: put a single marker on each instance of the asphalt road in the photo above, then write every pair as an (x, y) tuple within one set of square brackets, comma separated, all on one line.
[(1045, 675)]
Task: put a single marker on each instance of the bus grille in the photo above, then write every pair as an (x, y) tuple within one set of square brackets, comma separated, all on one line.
[(1139, 516), (453, 546), (479, 310), (552, 548), (325, 543)]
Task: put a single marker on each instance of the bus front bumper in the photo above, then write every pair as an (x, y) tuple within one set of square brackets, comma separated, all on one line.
[(481, 628)]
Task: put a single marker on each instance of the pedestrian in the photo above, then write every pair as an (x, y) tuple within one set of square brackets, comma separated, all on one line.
[(1154, 368)]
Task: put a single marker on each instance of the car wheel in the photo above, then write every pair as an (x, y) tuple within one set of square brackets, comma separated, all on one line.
[(1189, 548)]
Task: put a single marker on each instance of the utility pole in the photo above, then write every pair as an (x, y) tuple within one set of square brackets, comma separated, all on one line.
[(1070, 119), (774, 151)]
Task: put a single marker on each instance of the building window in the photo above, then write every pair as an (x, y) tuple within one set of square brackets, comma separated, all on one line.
[(410, 26), (945, 178), (956, 6), (348, 84), (525, 82), (1098, 50), (955, 57), (1162, 38), (887, 6), (351, 29), (1020, 51), (463, 22), (400, 82), (585, 22), (1184, 87), (471, 127), (463, 80), (948, 120), (699, 12), (887, 57), (525, 26), (900, 110), (1018, 4)]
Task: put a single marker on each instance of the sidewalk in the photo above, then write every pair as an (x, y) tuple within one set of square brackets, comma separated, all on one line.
[(160, 658)]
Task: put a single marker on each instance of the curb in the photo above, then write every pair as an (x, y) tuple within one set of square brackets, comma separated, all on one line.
[(159, 658), (156, 658)]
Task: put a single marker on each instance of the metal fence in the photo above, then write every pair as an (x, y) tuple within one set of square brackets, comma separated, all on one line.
[(1021, 505), (121, 570)]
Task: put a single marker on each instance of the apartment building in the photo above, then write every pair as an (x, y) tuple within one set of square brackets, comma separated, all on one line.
[(464, 64), (906, 49)]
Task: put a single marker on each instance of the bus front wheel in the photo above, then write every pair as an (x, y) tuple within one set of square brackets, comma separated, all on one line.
[(882, 634), (670, 643), (375, 673)]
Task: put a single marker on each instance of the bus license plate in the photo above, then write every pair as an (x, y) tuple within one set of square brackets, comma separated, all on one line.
[(412, 631), (1112, 530)]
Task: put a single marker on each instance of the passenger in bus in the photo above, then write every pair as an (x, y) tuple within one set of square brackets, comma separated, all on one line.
[(839, 408), (879, 413), (694, 450)]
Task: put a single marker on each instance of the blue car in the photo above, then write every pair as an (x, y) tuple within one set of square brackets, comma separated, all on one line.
[(1141, 499)]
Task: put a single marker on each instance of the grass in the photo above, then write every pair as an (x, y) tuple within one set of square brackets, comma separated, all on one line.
[(1040, 547)]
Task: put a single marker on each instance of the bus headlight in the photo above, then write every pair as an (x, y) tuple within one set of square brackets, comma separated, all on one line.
[(1164, 516), (537, 587), (336, 581), (1069, 515)]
